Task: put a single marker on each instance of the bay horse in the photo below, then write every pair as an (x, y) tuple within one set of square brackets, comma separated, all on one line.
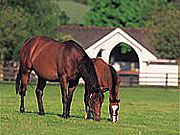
[(56, 61), (108, 81)]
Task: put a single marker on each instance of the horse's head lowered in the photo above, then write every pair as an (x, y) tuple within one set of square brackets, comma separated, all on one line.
[(95, 104), (113, 109)]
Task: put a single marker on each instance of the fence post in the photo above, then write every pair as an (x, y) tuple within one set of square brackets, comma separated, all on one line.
[(166, 83), (131, 78)]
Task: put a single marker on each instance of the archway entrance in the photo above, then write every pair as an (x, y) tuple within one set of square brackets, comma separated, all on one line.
[(126, 62)]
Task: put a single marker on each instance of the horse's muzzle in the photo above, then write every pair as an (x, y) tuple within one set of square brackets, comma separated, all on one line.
[(114, 118)]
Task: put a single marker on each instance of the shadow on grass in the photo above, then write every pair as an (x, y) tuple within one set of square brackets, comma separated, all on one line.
[(60, 115)]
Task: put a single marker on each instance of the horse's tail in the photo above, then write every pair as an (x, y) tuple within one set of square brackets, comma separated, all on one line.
[(18, 81), (18, 78)]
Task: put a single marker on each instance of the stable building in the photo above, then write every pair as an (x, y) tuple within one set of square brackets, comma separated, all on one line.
[(129, 51)]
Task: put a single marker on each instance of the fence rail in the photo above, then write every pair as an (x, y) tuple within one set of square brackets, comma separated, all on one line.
[(8, 74), (164, 79)]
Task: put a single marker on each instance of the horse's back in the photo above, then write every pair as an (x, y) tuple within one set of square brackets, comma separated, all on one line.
[(49, 58), (103, 73)]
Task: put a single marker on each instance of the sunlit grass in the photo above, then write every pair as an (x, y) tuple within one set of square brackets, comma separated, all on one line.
[(143, 111), (75, 11)]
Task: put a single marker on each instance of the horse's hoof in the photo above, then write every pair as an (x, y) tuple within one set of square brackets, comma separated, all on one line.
[(22, 110), (86, 116), (65, 116), (41, 113)]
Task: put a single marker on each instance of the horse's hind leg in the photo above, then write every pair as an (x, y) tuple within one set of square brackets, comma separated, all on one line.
[(24, 78), (39, 94)]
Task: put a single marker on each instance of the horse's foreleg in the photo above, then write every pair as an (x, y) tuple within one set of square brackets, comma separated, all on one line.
[(64, 97), (86, 107), (70, 95), (39, 94), (72, 86), (87, 111)]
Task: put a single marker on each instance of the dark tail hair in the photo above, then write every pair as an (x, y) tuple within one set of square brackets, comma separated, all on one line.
[(18, 81), (18, 78)]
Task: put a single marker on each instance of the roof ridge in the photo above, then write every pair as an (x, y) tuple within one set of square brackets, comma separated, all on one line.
[(87, 27)]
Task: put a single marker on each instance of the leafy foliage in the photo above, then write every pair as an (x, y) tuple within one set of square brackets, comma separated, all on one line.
[(166, 41), (12, 31), (23, 18), (159, 15), (123, 13)]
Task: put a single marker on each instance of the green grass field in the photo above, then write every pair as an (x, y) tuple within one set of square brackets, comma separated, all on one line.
[(143, 111), (75, 11)]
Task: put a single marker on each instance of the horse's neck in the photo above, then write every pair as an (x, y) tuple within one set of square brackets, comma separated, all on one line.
[(113, 93), (90, 83), (88, 73)]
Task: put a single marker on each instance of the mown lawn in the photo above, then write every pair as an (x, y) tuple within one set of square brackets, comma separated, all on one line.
[(75, 11), (143, 111)]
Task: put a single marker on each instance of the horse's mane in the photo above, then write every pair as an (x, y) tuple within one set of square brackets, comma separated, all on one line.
[(79, 47), (86, 66)]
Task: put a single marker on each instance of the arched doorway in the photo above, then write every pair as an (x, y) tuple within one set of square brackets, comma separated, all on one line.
[(126, 62)]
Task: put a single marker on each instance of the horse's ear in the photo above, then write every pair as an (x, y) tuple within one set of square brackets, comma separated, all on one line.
[(27, 39), (118, 100), (103, 90)]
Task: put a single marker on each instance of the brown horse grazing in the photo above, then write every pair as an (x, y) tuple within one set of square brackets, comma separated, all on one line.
[(109, 81), (64, 62)]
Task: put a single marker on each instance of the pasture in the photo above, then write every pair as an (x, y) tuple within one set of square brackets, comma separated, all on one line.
[(75, 11), (143, 111)]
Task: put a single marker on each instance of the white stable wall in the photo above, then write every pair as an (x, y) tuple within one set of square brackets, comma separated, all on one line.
[(146, 71), (159, 74)]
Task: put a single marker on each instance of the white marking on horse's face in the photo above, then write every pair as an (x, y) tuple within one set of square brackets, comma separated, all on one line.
[(114, 108), (90, 95), (115, 117)]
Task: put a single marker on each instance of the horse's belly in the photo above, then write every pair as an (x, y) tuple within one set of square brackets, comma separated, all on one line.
[(47, 74), (46, 70)]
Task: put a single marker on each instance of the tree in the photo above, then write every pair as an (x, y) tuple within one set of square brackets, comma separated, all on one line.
[(25, 18), (123, 13), (161, 16), (12, 31), (166, 40)]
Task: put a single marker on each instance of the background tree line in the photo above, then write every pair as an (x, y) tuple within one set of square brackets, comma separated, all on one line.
[(24, 18), (160, 16)]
